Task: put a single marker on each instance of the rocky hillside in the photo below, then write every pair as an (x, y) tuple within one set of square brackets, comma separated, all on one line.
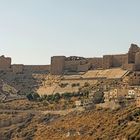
[(94, 124), (7, 92), (88, 125)]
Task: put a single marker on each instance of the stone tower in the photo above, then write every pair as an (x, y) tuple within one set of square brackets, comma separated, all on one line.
[(132, 52), (5, 63), (137, 58), (57, 65)]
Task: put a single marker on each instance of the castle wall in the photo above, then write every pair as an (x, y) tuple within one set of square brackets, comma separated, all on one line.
[(75, 64), (83, 68), (137, 58), (125, 59), (72, 65), (57, 65), (137, 61), (132, 62), (61, 64), (17, 68), (83, 65), (5, 63), (96, 63), (107, 61), (118, 60), (36, 68)]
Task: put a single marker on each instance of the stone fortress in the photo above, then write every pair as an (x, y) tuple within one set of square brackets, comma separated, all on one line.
[(129, 61), (64, 65)]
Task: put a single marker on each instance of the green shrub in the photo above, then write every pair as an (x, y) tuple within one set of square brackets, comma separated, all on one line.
[(75, 84), (33, 96), (63, 85), (50, 98), (57, 97), (66, 95), (98, 97), (53, 97)]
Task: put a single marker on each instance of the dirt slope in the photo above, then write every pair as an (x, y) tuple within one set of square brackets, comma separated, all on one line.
[(30, 124), (90, 125)]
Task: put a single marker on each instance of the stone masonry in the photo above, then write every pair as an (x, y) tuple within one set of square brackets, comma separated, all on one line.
[(129, 61), (62, 64)]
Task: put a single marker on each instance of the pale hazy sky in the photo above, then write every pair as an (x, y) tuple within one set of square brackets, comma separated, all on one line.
[(31, 31)]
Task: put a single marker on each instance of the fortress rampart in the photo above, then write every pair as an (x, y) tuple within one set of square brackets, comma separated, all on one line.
[(62, 64), (129, 61)]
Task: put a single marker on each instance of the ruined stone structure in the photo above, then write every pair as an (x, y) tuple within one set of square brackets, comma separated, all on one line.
[(61, 64), (20, 68), (129, 61), (95, 63), (36, 68), (132, 53), (17, 68), (5, 63), (74, 64), (57, 64), (134, 79), (110, 61)]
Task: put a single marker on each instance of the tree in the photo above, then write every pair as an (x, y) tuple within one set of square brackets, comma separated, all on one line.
[(98, 97), (29, 96)]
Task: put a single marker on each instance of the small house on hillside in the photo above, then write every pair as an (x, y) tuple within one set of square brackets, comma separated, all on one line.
[(114, 94)]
